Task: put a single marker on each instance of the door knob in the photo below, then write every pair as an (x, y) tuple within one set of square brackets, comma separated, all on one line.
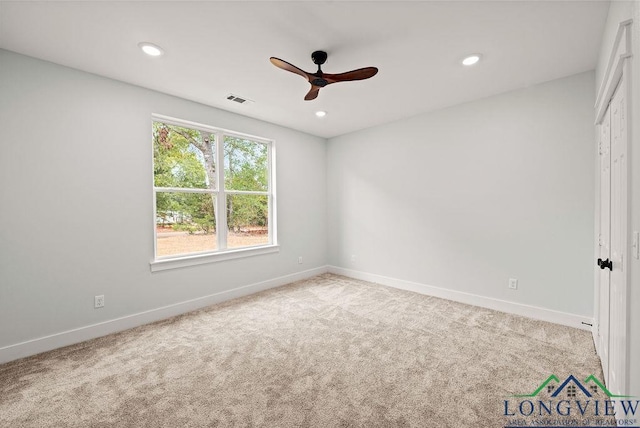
[(605, 264)]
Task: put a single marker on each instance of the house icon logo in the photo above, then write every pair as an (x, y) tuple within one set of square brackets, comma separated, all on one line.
[(571, 402), (572, 387)]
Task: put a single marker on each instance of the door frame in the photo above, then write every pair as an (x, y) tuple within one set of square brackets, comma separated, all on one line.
[(618, 68)]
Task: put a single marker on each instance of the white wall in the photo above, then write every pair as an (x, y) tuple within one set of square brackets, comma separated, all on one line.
[(76, 201), (620, 11), (467, 197)]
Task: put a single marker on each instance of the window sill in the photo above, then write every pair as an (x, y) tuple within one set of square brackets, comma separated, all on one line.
[(199, 259)]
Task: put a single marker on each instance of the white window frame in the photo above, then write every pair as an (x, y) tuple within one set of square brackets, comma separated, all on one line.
[(222, 252)]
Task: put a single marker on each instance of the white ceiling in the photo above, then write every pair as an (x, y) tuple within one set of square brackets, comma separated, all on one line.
[(217, 48)]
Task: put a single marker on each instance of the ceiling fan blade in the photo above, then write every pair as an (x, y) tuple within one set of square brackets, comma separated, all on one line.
[(288, 67), (313, 93), (359, 74)]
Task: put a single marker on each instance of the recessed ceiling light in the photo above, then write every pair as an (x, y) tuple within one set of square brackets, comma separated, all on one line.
[(471, 59), (151, 49), (321, 113)]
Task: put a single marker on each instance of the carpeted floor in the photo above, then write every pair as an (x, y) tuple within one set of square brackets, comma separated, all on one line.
[(324, 352)]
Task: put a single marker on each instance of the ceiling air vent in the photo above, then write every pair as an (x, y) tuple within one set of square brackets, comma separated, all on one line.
[(239, 100)]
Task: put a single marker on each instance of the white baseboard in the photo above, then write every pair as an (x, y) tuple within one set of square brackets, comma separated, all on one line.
[(70, 337), (528, 311)]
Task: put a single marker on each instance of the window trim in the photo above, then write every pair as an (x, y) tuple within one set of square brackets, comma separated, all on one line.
[(222, 253), (194, 259)]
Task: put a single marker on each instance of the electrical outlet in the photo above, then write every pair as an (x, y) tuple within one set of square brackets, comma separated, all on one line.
[(513, 283), (353, 257), (98, 301), (300, 260)]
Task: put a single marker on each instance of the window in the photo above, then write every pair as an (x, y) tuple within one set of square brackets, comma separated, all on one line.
[(213, 192)]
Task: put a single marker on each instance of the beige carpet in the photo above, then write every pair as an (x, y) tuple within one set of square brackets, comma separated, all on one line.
[(325, 352)]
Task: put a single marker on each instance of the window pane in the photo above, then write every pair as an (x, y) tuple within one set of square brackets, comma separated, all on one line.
[(245, 164), (247, 218), (183, 157), (185, 223)]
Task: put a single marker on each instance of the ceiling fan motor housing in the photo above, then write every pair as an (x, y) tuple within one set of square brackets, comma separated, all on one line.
[(319, 81)]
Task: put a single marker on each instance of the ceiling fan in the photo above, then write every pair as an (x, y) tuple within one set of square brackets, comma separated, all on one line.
[(319, 79)]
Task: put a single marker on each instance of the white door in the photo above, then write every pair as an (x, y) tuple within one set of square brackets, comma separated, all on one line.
[(618, 242), (612, 293), (604, 242)]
